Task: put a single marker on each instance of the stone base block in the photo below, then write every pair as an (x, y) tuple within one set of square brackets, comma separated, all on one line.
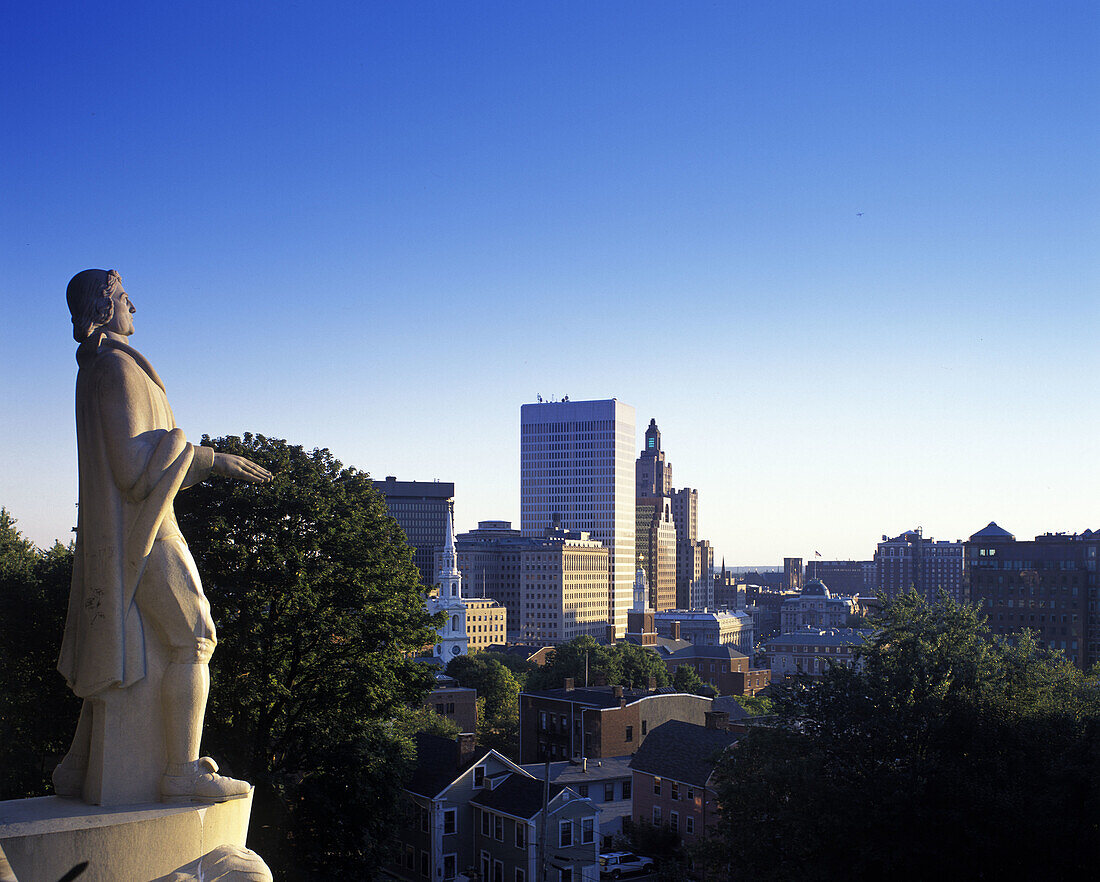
[(46, 837)]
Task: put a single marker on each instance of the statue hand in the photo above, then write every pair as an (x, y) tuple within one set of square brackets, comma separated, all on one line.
[(229, 466)]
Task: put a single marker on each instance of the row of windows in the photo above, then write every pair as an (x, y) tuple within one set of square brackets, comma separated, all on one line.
[(673, 821)]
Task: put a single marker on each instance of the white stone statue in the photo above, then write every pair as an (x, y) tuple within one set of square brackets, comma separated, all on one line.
[(138, 622)]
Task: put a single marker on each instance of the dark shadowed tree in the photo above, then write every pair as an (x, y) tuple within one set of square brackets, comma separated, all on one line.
[(37, 710), (318, 607), (498, 699), (935, 759), (687, 679)]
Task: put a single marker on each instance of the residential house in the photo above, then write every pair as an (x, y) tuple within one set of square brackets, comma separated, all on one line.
[(673, 776), (605, 781)]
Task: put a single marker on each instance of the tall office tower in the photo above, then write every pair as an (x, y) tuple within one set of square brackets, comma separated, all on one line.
[(792, 573), (652, 475), (576, 472), (655, 549), (422, 509), (911, 561), (689, 557), (1048, 585)]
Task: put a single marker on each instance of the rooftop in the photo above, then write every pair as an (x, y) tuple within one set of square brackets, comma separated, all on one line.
[(517, 795), (682, 751)]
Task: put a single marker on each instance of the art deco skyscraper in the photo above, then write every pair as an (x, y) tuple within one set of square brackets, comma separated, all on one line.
[(577, 472)]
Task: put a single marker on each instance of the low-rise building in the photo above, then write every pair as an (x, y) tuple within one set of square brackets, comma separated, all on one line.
[(598, 721), (673, 776), (458, 703), (809, 650), (815, 607), (462, 810), (726, 669), (706, 627), (607, 782)]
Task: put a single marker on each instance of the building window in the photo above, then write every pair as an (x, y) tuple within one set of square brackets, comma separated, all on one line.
[(691, 793), (656, 786), (656, 815), (485, 830), (450, 865), (566, 874), (565, 834), (479, 776), (674, 822), (626, 789), (629, 733), (588, 830), (450, 819), (675, 789), (645, 724), (609, 791), (521, 835), (583, 790), (425, 864), (423, 820), (410, 857), (498, 871), (498, 828), (521, 876), (485, 865)]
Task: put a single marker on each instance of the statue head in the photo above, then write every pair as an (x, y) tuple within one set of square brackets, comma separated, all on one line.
[(90, 301)]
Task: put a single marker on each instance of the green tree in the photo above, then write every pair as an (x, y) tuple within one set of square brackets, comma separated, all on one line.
[(687, 679), (38, 713), (582, 658), (929, 756), (319, 611), (412, 721), (498, 699)]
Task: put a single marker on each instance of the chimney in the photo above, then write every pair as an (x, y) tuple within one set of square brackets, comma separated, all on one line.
[(568, 684), (675, 630), (616, 691), (466, 745), (717, 720)]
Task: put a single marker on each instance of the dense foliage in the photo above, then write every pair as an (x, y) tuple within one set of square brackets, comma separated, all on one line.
[(585, 660), (318, 607), (951, 754), (38, 713), (498, 699)]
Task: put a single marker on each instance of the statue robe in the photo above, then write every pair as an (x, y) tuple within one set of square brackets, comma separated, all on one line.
[(133, 460)]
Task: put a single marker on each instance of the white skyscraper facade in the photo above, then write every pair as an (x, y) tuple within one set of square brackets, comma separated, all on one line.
[(577, 472)]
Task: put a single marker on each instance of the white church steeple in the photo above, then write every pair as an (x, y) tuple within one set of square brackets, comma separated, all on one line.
[(452, 636)]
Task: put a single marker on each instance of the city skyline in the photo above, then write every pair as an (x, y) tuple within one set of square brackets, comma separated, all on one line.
[(844, 255)]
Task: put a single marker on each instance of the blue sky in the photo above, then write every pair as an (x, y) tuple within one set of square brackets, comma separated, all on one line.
[(845, 253)]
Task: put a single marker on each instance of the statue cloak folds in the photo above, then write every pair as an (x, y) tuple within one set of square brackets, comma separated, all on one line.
[(133, 461)]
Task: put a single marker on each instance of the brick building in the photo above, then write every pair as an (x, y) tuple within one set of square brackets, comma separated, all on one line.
[(723, 667), (673, 776), (599, 721)]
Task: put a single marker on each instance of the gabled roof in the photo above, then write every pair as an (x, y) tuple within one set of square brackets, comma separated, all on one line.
[(682, 751), (730, 705), (519, 795), (724, 651), (572, 774), (436, 764)]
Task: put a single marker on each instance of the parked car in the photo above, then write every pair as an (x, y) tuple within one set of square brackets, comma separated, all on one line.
[(614, 864)]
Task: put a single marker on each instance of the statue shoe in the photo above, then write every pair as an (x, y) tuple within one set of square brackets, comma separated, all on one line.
[(201, 783), (68, 777)]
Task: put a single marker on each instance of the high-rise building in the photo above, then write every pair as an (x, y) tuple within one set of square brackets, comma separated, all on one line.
[(911, 561), (842, 576), (692, 562), (653, 476), (655, 549), (554, 586), (422, 510), (576, 473), (1048, 585)]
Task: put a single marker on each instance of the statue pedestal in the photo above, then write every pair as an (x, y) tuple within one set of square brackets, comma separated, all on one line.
[(46, 837)]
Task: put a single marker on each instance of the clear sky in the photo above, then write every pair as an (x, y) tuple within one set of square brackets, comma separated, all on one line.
[(844, 252)]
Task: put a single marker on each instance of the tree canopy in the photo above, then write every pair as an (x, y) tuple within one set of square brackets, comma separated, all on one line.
[(498, 699), (38, 713), (929, 761), (318, 609), (620, 664)]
